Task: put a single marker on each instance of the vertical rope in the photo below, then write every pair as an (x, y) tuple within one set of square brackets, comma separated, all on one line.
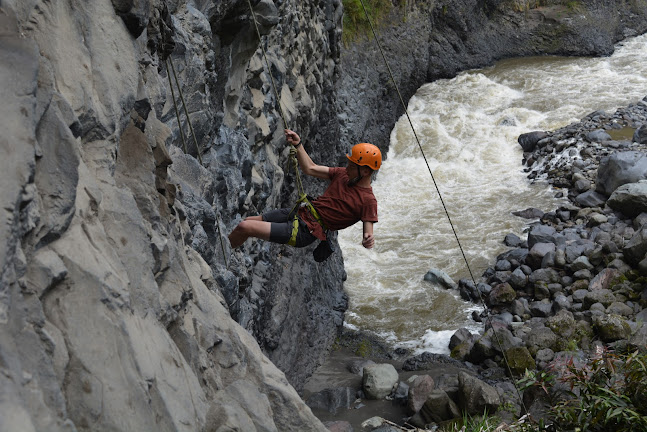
[(186, 112), (293, 151), (184, 146), (406, 111), (177, 111)]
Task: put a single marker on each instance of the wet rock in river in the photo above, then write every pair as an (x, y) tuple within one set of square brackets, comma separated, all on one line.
[(620, 168), (630, 199)]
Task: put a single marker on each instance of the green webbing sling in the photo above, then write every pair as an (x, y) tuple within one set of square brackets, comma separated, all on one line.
[(303, 200)]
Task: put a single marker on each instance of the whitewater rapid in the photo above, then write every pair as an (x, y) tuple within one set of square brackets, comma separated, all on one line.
[(468, 128)]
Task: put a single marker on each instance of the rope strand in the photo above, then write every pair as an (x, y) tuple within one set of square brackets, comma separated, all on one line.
[(406, 111), (293, 151), (184, 146)]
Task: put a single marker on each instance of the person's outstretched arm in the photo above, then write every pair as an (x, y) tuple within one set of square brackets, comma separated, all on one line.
[(307, 165)]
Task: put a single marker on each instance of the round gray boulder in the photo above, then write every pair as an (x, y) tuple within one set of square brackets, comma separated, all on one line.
[(620, 168), (379, 380)]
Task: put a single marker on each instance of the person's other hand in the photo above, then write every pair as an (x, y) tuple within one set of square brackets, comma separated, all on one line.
[(368, 241)]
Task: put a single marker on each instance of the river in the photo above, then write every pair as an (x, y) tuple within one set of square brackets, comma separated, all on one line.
[(468, 128)]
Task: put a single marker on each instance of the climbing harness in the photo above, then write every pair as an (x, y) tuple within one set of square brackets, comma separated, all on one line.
[(303, 201), (406, 111)]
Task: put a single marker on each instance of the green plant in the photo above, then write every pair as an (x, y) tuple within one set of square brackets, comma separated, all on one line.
[(572, 345), (355, 21), (472, 424), (607, 394), (572, 5), (363, 348), (537, 379)]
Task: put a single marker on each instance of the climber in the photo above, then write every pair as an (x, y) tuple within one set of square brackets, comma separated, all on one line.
[(348, 199)]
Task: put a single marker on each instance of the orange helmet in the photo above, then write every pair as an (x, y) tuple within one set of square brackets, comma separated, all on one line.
[(366, 154)]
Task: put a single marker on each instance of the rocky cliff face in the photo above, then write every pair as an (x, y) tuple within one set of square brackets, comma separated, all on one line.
[(116, 305), (120, 307), (441, 38)]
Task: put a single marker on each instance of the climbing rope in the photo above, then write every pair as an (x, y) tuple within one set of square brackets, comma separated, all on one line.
[(186, 112), (177, 111), (293, 150), (406, 111), (195, 141)]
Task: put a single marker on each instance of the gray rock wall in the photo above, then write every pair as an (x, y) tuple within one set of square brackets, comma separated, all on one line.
[(120, 308), (109, 317), (441, 38)]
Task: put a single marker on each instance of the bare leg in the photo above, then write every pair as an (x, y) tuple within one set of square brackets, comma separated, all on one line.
[(253, 226)]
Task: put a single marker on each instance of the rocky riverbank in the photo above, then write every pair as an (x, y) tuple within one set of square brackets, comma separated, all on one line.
[(575, 285)]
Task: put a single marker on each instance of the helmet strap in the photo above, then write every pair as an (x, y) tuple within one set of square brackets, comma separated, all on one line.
[(354, 181)]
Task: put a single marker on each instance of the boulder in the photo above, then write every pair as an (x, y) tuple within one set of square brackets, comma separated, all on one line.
[(539, 338), (604, 279), (640, 135), (537, 253), (602, 296), (476, 396), (501, 294), (528, 141), (636, 249), (379, 380), (419, 389), (529, 213), (619, 308), (638, 340), (512, 240), (439, 407), (503, 340), (518, 279), (562, 323), (580, 263), (441, 278), (332, 399), (481, 349), (461, 335), (546, 275), (598, 135), (462, 350), (611, 328), (541, 308), (520, 360), (620, 168), (541, 234), (630, 199), (590, 198)]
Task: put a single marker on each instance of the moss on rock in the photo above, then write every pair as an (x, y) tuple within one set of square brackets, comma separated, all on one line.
[(519, 359)]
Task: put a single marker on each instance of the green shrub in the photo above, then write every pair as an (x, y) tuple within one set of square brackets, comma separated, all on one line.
[(355, 22), (607, 394)]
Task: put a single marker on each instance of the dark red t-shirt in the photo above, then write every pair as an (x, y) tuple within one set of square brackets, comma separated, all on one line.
[(341, 205)]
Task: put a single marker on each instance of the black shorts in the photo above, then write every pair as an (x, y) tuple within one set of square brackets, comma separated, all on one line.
[(281, 228)]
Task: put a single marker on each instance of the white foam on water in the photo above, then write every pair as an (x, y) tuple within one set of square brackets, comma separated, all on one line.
[(468, 127)]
